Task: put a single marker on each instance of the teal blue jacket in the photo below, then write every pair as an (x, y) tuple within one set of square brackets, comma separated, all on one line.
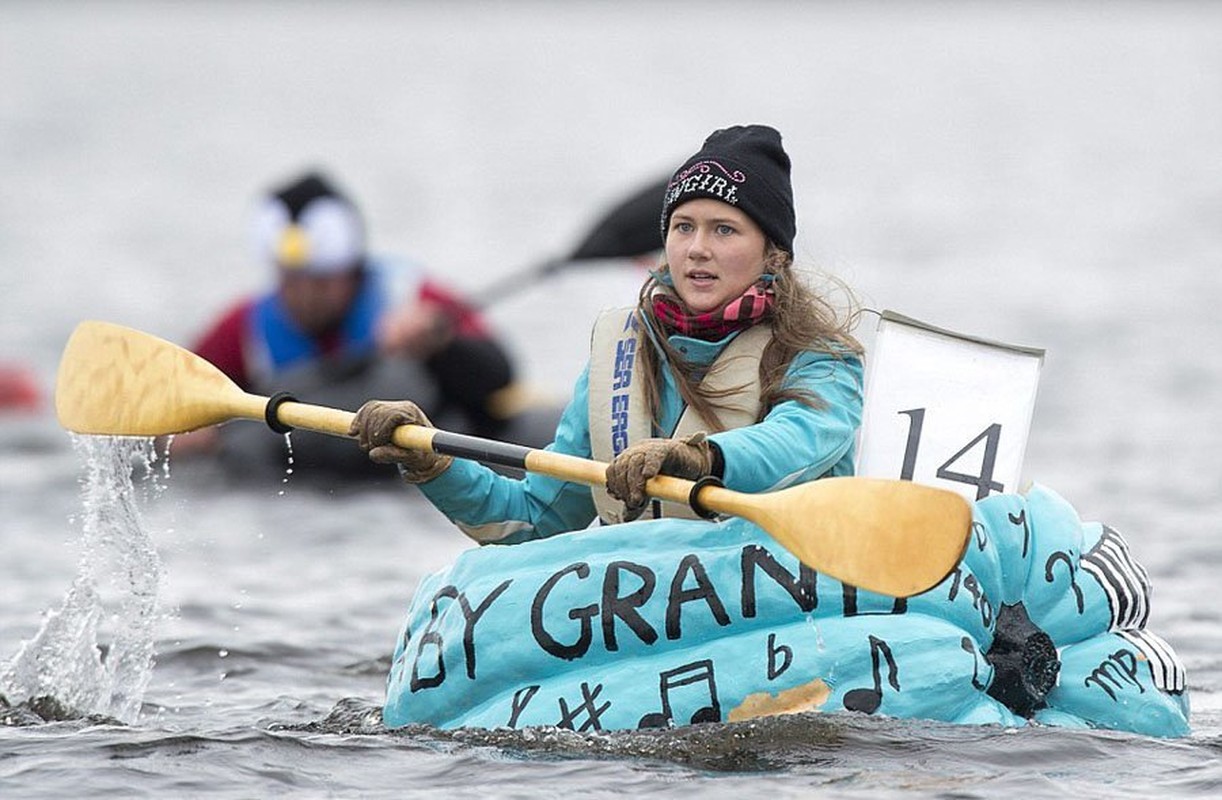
[(794, 443)]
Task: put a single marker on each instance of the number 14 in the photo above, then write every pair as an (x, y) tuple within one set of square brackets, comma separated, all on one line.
[(983, 482)]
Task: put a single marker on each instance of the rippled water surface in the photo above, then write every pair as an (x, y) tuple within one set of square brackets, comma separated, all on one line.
[(1048, 175)]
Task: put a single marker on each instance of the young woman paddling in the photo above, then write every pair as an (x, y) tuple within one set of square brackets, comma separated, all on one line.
[(728, 368)]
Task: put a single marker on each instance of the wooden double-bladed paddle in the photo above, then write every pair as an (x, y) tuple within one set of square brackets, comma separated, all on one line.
[(893, 537)]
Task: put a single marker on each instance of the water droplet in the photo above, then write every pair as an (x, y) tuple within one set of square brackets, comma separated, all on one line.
[(288, 445)]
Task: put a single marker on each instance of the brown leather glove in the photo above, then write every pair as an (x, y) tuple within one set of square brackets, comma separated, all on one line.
[(688, 458), (373, 426)]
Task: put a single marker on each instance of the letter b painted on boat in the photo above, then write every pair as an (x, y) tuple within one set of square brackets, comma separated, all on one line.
[(432, 642), (946, 409)]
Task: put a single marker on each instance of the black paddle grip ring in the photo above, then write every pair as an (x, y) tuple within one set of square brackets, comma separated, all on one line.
[(272, 409), (693, 496)]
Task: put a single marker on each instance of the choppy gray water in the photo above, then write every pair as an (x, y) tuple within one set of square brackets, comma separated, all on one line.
[(1046, 174)]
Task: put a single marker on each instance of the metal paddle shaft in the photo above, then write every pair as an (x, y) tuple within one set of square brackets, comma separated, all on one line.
[(893, 537)]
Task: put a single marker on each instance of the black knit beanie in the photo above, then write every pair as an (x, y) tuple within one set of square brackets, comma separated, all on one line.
[(747, 167)]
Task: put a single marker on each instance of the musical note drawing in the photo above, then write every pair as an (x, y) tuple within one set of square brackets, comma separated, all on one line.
[(968, 645), (677, 678), (868, 700), (521, 698)]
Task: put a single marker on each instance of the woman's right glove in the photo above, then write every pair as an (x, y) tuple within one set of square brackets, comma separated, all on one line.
[(375, 423)]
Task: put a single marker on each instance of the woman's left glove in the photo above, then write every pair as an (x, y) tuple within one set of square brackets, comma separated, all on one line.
[(375, 423), (689, 458)]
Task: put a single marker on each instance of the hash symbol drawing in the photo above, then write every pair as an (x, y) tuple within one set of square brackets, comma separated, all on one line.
[(567, 717)]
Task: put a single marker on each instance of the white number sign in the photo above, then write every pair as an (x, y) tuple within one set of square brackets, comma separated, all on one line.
[(946, 409)]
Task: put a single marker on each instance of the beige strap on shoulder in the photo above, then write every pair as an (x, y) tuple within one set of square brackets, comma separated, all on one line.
[(619, 414)]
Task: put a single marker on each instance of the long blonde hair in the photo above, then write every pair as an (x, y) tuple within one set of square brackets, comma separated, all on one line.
[(802, 320)]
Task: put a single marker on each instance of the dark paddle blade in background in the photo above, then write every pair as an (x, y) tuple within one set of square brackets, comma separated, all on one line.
[(632, 228), (628, 229)]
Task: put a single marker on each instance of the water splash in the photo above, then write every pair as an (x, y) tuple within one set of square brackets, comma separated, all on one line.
[(116, 585)]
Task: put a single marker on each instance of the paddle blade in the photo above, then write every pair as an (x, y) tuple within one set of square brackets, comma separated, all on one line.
[(121, 382), (897, 538), (631, 228)]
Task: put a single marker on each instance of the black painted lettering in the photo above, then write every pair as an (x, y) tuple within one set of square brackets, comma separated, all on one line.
[(624, 607), (472, 616), (702, 591), (582, 615), (849, 593), (802, 588), (431, 638)]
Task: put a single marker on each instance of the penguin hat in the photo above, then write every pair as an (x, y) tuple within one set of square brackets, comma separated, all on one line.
[(309, 226)]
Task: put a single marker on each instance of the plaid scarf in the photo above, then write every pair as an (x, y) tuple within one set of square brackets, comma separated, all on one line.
[(740, 313)]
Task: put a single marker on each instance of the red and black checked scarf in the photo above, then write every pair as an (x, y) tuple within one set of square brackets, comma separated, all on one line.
[(740, 313)]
